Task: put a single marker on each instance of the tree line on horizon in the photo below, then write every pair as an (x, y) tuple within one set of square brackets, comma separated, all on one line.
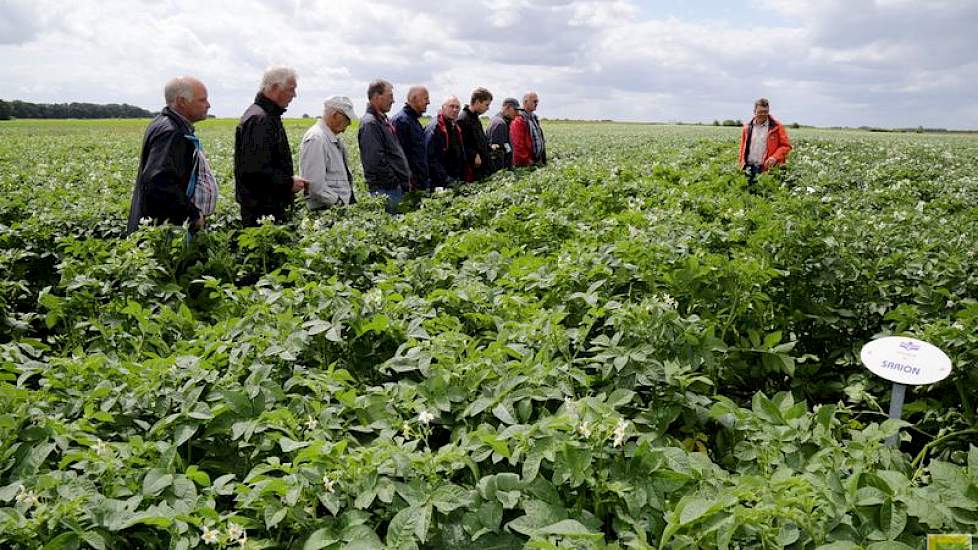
[(23, 109)]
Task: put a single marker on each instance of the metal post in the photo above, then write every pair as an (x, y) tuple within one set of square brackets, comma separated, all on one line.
[(896, 411)]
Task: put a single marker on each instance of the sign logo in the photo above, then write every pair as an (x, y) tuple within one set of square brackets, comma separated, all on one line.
[(910, 345)]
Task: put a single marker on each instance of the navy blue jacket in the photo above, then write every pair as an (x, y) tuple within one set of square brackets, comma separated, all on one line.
[(410, 134), (446, 154)]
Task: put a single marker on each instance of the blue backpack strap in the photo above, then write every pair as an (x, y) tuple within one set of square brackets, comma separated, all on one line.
[(192, 184)]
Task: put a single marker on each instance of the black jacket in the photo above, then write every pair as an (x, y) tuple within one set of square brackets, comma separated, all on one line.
[(165, 165), (474, 138), (262, 161), (384, 163), (502, 150), (410, 134)]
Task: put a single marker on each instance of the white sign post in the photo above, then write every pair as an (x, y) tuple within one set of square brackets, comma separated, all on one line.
[(904, 361)]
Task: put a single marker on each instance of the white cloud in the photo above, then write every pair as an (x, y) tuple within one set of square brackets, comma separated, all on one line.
[(853, 62)]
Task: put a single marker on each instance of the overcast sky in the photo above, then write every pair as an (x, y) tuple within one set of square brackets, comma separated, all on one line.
[(894, 63)]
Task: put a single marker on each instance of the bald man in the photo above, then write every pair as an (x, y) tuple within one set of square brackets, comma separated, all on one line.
[(526, 134), (410, 134), (443, 145), (166, 163)]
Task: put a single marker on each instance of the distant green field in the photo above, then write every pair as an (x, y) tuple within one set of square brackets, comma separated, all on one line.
[(629, 348)]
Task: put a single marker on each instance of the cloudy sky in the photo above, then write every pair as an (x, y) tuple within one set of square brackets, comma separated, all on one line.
[(894, 63)]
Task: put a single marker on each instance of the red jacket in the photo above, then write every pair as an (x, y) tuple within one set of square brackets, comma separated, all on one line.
[(778, 145), (519, 137)]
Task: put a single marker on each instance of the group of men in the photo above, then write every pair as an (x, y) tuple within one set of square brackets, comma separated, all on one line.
[(174, 183), (398, 154)]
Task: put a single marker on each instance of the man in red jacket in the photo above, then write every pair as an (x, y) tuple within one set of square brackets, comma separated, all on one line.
[(526, 135), (763, 143)]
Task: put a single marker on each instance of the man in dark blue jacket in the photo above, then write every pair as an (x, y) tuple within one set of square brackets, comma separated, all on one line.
[(410, 134), (444, 148), (166, 162)]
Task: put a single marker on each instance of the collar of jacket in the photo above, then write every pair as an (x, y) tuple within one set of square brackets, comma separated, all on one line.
[(410, 110), (182, 123), (443, 124), (327, 133), (377, 114), (771, 124), (268, 105)]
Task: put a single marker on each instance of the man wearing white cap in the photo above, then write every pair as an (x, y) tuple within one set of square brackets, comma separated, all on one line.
[(323, 160)]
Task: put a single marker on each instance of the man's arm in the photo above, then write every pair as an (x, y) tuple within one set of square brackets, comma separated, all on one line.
[(373, 157), (470, 141), (780, 155), (434, 144), (519, 137)]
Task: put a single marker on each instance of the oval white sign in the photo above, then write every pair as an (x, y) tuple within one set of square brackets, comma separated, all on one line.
[(906, 360)]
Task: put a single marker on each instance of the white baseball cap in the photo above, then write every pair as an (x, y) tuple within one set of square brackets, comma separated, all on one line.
[(341, 104)]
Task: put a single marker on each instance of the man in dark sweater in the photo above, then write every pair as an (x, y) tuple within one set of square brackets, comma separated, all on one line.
[(385, 168), (477, 165), (264, 181), (166, 162)]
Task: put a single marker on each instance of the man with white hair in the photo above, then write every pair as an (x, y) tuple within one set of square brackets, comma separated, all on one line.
[(323, 160), (410, 134), (443, 146), (264, 180), (167, 161), (526, 134)]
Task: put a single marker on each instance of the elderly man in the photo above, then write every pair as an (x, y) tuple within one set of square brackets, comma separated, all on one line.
[(477, 165), (167, 160), (500, 146), (763, 143), (323, 160), (264, 180), (411, 134), (529, 145), (443, 144), (385, 168)]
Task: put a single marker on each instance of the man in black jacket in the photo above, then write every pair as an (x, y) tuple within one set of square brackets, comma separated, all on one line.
[(264, 181), (166, 162), (385, 168), (477, 165)]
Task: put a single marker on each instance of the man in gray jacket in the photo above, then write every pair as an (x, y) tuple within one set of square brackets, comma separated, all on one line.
[(323, 160), (385, 168), (500, 148)]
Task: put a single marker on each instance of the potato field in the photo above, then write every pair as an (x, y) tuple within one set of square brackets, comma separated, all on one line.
[(627, 349)]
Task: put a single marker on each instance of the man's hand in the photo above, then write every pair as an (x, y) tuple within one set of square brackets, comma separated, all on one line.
[(199, 224), (298, 184), (478, 160), (769, 163)]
